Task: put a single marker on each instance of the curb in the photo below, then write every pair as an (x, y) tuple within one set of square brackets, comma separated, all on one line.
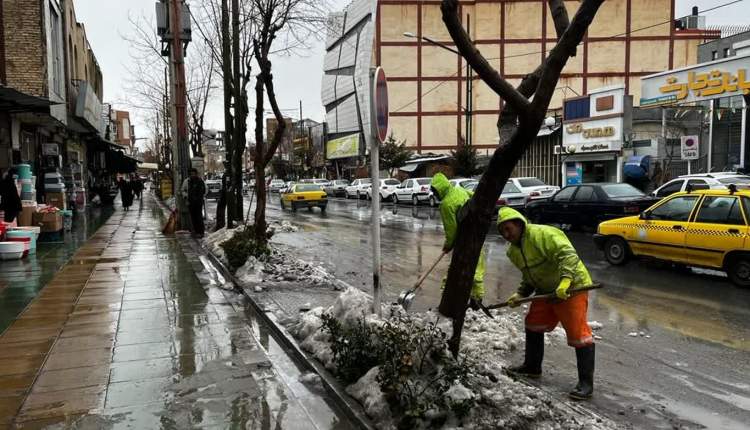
[(343, 402)]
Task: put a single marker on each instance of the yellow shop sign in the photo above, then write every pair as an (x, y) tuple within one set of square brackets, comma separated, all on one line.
[(707, 84), (590, 133)]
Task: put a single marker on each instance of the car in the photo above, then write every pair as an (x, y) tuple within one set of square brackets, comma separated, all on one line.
[(511, 196), (703, 228), (317, 181), (275, 185), (213, 188), (358, 188), (702, 181), (286, 187), (304, 195), (336, 187), (461, 181), (589, 204), (534, 188), (415, 190), (387, 188)]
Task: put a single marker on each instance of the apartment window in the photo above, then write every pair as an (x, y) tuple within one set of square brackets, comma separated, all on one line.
[(578, 108), (56, 51), (714, 55), (726, 52), (645, 143)]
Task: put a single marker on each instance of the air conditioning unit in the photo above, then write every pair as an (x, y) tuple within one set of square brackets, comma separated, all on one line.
[(694, 22)]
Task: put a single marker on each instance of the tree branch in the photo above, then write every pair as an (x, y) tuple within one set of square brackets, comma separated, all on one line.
[(476, 60)]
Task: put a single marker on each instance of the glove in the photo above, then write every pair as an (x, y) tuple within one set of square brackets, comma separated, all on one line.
[(513, 300), (562, 290)]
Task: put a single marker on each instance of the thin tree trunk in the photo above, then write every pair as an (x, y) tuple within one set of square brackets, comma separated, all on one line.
[(226, 64), (260, 161), (238, 139)]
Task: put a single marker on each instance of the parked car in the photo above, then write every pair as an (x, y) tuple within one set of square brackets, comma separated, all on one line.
[(304, 195), (286, 187), (387, 188), (511, 196), (415, 190), (317, 181), (460, 182), (275, 185), (589, 204), (358, 188), (534, 188), (336, 187), (705, 228), (702, 181), (213, 188)]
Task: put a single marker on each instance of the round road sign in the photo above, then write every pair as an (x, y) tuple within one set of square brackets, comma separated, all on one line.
[(381, 104)]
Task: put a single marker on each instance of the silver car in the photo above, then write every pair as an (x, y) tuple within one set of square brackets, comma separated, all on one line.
[(336, 187), (511, 196)]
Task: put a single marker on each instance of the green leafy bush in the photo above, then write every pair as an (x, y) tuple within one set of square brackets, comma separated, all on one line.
[(416, 369), (243, 245)]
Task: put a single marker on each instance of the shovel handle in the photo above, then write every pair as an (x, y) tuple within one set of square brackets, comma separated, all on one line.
[(547, 296), (424, 275)]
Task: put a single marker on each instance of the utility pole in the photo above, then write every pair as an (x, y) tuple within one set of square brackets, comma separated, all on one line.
[(175, 35)]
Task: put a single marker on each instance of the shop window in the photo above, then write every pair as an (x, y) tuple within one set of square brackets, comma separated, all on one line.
[(577, 109), (726, 52)]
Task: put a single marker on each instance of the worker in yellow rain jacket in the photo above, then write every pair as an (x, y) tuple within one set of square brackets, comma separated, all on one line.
[(550, 264), (452, 199)]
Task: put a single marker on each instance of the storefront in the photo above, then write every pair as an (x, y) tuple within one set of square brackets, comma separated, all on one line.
[(594, 128), (720, 90), (344, 154)]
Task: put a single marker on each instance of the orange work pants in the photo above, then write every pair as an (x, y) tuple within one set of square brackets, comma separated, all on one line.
[(544, 316)]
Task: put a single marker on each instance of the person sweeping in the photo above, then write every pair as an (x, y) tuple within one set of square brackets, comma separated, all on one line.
[(549, 264), (452, 200)]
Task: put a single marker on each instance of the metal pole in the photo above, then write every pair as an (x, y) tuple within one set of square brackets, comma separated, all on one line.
[(743, 132), (710, 136), (375, 193)]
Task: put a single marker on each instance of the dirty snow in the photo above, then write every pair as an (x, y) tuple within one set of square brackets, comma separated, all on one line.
[(501, 401), (596, 325), (312, 379), (282, 227), (213, 242)]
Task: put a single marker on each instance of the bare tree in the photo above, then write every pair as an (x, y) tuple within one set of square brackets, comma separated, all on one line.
[(283, 26), (518, 125)]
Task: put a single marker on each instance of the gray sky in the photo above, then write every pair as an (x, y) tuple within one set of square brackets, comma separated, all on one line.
[(295, 78)]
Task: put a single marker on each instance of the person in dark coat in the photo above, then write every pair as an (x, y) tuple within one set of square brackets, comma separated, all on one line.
[(137, 186), (196, 195), (126, 193), (10, 202)]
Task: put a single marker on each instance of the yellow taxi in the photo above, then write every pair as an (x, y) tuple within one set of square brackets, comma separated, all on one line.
[(706, 228), (304, 196)]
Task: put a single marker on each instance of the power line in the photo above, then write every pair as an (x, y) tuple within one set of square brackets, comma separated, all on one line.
[(545, 51)]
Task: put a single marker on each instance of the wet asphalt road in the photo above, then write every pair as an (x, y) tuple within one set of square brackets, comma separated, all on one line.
[(688, 369)]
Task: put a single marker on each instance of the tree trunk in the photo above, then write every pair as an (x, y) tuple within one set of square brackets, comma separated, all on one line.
[(260, 162), (238, 135), (226, 65)]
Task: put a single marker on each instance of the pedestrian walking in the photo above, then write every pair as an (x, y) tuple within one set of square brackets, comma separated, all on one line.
[(549, 264), (452, 200), (137, 187), (10, 202), (196, 194), (126, 193)]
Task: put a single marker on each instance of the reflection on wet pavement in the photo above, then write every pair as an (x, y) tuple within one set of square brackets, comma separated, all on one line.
[(125, 336)]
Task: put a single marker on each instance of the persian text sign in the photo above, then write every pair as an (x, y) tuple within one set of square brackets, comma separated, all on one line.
[(689, 147), (723, 78)]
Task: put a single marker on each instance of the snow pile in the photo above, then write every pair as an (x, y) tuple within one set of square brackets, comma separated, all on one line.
[(277, 226), (251, 273), (499, 401), (596, 325), (280, 267), (213, 242)]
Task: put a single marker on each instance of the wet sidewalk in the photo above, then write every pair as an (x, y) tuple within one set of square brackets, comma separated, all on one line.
[(126, 336)]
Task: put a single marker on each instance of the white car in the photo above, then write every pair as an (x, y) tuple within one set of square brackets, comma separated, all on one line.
[(387, 188), (702, 181), (275, 185), (415, 190), (336, 187), (315, 181), (534, 188), (358, 188), (461, 182)]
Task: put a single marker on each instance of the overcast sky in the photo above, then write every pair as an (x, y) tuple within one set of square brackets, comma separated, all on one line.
[(295, 78)]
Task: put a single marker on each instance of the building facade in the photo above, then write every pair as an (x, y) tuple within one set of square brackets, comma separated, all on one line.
[(427, 84)]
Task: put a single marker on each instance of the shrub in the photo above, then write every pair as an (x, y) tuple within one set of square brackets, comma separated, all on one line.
[(352, 348), (243, 245)]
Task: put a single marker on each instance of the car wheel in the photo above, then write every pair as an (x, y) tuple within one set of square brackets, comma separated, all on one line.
[(309, 208), (395, 199), (433, 202), (738, 270), (616, 251), (414, 200), (323, 209)]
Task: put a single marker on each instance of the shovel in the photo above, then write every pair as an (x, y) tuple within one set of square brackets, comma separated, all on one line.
[(407, 296), (547, 296)]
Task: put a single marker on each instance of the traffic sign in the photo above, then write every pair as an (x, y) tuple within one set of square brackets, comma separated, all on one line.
[(689, 147), (380, 105)]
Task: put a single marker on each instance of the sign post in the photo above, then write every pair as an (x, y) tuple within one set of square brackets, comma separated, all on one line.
[(689, 149), (379, 132)]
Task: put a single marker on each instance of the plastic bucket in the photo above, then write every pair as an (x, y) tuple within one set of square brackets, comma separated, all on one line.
[(24, 171), (26, 243), (21, 233)]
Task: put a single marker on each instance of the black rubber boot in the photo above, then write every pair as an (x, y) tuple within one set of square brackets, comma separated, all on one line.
[(534, 354), (585, 388)]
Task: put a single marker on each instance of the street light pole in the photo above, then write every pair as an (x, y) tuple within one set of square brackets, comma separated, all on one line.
[(469, 80)]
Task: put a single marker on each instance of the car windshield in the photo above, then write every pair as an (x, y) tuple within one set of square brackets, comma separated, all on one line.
[(471, 186), (510, 188), (342, 182), (531, 182), (365, 181), (621, 190), (425, 181), (391, 182), (735, 180), (306, 187)]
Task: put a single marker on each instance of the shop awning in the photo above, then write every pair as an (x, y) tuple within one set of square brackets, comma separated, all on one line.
[(409, 167), (14, 100)]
